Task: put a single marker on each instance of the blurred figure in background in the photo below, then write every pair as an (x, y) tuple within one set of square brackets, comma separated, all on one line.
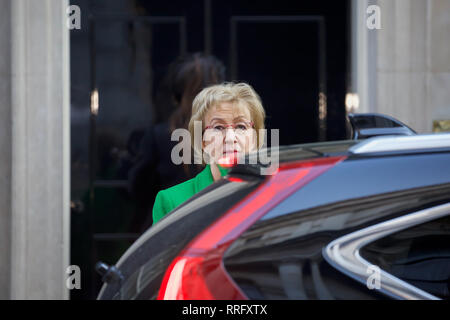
[(153, 168)]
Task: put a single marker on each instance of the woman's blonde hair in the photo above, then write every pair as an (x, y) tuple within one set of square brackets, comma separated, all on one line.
[(229, 92)]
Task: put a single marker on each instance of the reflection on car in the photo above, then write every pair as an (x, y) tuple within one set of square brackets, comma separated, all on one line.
[(353, 219)]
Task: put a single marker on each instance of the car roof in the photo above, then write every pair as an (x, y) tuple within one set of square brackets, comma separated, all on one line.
[(416, 143), (402, 143), (381, 145)]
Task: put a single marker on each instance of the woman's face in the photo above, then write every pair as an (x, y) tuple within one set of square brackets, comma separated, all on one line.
[(228, 131)]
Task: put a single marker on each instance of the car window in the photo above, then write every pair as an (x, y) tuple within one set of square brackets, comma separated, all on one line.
[(419, 256), (364, 122), (359, 178)]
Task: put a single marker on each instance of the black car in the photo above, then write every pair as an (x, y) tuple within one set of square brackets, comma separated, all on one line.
[(350, 219)]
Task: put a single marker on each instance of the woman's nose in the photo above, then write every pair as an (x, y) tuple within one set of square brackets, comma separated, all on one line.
[(230, 135)]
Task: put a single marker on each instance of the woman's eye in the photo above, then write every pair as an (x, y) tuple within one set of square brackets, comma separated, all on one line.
[(241, 127), (220, 128)]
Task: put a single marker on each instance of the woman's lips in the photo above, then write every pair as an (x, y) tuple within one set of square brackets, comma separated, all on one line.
[(230, 152)]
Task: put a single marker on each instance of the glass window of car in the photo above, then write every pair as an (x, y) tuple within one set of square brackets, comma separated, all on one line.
[(419, 255)]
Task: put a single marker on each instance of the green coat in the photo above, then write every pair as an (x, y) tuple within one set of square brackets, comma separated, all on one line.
[(170, 198)]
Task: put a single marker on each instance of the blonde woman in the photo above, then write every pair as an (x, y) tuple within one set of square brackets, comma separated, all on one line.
[(231, 116)]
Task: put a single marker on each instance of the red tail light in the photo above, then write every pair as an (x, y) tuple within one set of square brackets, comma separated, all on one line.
[(198, 272)]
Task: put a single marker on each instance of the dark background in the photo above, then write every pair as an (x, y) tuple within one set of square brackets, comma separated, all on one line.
[(123, 50)]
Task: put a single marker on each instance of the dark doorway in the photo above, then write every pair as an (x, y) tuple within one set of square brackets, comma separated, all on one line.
[(294, 53)]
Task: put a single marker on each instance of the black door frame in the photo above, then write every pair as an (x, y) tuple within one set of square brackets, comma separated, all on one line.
[(94, 106), (321, 66)]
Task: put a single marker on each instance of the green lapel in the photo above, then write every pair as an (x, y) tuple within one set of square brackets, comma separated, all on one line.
[(205, 178)]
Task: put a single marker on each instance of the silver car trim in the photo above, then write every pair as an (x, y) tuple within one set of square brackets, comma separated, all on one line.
[(395, 143), (344, 252)]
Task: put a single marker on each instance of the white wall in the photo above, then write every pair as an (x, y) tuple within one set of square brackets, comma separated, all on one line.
[(403, 70), (35, 142)]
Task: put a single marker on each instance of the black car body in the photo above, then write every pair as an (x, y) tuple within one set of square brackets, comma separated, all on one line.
[(339, 220)]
